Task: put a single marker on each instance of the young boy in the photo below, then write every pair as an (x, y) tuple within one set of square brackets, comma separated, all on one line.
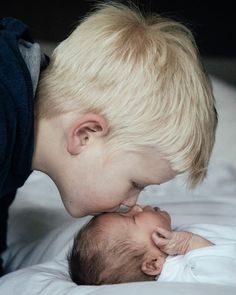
[(119, 248), (123, 103)]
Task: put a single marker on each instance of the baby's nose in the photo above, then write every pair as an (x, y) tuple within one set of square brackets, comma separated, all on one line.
[(135, 209)]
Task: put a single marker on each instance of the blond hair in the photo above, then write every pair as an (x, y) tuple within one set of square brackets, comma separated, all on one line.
[(97, 258), (143, 74)]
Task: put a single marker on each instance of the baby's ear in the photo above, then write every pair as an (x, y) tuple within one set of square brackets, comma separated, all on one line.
[(152, 266), (83, 129)]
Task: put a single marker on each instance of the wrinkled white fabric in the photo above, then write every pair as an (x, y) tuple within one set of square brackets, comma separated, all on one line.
[(214, 264)]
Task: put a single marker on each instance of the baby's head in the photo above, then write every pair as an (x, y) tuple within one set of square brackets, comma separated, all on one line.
[(117, 248)]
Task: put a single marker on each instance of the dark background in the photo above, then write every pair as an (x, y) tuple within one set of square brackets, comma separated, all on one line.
[(213, 26)]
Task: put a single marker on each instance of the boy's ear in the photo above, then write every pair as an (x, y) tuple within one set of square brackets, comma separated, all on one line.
[(152, 265), (83, 129)]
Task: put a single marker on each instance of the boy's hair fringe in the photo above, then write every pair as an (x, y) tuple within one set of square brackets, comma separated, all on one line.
[(144, 76)]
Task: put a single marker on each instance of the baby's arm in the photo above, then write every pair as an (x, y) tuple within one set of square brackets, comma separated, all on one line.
[(174, 242)]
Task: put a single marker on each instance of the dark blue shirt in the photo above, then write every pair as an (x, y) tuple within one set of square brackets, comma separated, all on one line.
[(16, 118), (16, 108)]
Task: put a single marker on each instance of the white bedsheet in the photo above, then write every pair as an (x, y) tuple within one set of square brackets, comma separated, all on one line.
[(40, 230)]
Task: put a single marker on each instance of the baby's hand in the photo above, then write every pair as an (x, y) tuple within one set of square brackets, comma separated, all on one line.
[(172, 242)]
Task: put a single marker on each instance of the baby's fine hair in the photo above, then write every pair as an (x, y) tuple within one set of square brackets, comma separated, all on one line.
[(143, 74), (96, 258)]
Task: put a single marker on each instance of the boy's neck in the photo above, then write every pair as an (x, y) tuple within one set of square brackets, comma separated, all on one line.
[(46, 137)]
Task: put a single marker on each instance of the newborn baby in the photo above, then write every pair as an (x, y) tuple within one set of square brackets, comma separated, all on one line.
[(139, 245)]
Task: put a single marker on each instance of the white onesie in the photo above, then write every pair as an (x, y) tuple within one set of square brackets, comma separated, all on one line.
[(213, 264)]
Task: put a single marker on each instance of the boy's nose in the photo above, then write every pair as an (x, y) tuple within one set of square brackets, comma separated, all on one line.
[(131, 201)]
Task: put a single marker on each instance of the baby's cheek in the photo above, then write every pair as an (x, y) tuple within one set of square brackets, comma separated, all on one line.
[(166, 225)]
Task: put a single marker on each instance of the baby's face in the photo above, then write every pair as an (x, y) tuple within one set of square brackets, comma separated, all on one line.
[(138, 222)]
